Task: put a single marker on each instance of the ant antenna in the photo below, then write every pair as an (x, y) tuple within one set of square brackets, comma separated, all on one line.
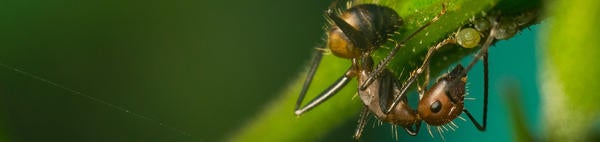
[(311, 74), (483, 53)]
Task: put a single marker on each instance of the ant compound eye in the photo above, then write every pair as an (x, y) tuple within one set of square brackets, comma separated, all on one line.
[(436, 107), (468, 38)]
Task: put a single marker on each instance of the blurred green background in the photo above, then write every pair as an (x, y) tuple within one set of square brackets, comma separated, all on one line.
[(203, 67)]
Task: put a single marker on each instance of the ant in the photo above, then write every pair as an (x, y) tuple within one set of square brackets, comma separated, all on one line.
[(354, 35), (439, 105), (444, 101), (360, 30)]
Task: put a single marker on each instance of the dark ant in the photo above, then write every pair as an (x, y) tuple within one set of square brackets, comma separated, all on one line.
[(354, 35), (439, 105), (444, 101), (360, 30)]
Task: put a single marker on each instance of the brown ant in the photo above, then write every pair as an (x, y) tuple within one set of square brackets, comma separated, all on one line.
[(354, 35), (439, 105), (362, 29), (444, 101)]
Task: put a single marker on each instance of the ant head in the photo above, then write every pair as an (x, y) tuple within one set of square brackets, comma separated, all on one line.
[(445, 100)]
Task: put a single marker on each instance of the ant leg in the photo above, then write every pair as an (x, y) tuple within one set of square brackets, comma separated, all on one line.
[(357, 38), (387, 59), (413, 132), (485, 97), (484, 49), (311, 73), (485, 89), (327, 93), (415, 74), (483, 53), (362, 122), (423, 86)]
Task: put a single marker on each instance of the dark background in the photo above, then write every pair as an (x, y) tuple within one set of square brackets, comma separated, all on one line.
[(159, 70)]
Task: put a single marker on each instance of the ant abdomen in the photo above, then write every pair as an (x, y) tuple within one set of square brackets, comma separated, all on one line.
[(374, 21), (369, 27)]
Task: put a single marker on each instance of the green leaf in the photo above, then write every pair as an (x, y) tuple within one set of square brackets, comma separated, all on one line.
[(570, 73)]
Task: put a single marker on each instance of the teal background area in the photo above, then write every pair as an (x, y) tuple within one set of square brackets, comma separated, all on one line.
[(202, 68)]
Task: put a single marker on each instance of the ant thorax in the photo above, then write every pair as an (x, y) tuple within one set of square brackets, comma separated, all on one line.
[(380, 95)]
